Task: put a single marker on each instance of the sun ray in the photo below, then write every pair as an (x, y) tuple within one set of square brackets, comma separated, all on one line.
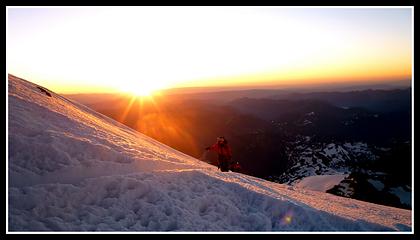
[(127, 109)]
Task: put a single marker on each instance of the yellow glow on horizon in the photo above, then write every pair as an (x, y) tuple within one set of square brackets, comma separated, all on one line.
[(143, 89), (357, 72)]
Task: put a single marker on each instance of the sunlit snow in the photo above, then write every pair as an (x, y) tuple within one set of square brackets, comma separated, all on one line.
[(320, 183)]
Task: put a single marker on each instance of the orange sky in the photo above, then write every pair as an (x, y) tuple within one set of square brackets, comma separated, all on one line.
[(141, 49)]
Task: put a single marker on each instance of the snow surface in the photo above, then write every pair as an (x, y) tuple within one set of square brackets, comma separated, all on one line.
[(73, 169), (320, 183), (403, 195)]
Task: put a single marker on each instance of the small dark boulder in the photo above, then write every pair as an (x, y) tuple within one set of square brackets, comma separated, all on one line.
[(44, 91)]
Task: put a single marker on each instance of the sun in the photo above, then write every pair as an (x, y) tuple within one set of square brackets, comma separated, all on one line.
[(143, 91), (140, 90)]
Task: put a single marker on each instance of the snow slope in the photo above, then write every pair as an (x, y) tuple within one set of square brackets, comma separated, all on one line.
[(320, 183), (72, 169)]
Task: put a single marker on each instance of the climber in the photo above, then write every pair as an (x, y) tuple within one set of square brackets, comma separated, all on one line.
[(224, 153)]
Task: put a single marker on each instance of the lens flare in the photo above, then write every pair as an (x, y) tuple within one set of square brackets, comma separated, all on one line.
[(287, 218)]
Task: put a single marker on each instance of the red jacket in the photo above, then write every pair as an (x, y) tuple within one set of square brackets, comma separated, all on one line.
[(224, 150)]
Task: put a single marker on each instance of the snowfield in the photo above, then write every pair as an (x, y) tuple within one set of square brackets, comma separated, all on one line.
[(320, 183), (73, 169)]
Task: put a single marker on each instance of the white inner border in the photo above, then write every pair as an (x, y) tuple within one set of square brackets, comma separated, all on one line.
[(285, 232)]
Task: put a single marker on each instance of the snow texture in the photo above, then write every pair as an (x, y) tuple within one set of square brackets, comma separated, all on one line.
[(320, 183), (73, 169), (403, 195)]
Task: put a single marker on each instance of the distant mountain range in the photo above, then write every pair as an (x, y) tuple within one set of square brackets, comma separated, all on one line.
[(320, 118), (374, 100), (330, 87)]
